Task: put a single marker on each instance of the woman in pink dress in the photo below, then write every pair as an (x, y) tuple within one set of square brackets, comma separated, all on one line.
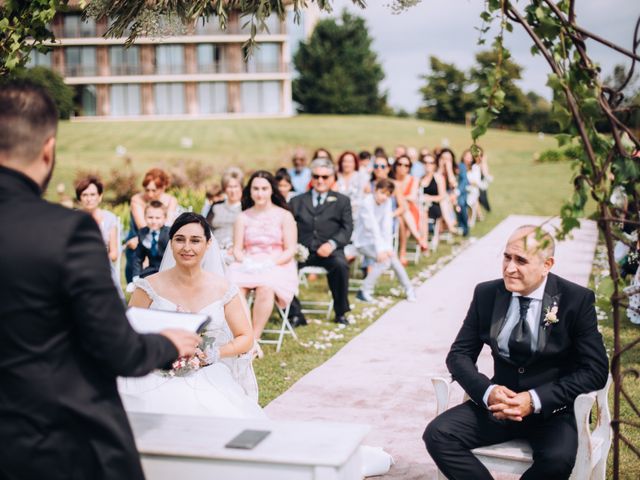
[(264, 244)]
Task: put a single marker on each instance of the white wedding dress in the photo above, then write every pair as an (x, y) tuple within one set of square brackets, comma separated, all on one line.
[(225, 389)]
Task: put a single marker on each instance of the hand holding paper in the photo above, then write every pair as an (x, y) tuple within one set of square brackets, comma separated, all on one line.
[(180, 328), (184, 341)]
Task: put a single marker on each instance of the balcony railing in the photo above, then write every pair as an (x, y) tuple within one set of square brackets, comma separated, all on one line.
[(126, 69), (170, 69), (262, 67), (80, 70)]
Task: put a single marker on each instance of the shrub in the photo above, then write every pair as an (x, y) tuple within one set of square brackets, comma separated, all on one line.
[(121, 184), (190, 174), (551, 155), (53, 83)]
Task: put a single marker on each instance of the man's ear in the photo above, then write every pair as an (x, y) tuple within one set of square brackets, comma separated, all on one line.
[(48, 150), (548, 263)]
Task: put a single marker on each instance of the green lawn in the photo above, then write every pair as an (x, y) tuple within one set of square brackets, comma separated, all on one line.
[(269, 143), (521, 186)]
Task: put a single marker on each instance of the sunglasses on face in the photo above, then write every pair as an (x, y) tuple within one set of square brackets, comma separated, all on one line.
[(379, 166), (323, 177)]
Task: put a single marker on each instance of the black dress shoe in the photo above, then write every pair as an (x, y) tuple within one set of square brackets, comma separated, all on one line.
[(297, 321), (342, 319)]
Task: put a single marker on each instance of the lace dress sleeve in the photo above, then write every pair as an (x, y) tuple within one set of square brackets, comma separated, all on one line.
[(145, 286), (231, 292)]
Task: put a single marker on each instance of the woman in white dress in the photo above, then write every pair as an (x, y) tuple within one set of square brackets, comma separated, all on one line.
[(227, 386)]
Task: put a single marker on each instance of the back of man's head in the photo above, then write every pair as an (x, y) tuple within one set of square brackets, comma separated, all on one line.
[(28, 117)]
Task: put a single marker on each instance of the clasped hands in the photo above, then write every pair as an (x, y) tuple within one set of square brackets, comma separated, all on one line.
[(509, 405)]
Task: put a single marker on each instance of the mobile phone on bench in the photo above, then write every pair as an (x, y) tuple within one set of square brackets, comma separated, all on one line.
[(247, 439)]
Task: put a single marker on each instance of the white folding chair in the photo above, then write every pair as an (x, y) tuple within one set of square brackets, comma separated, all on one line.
[(314, 306), (284, 329), (515, 456)]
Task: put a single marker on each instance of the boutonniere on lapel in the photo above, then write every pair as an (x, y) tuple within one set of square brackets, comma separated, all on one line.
[(551, 315), (331, 199)]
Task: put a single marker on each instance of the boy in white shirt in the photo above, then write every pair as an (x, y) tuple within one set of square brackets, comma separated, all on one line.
[(373, 237)]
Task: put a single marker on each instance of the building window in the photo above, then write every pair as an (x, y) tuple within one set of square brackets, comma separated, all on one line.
[(265, 59), (169, 98), (260, 97), (210, 59), (39, 59), (169, 59), (80, 61), (85, 100), (212, 97), (124, 61), (125, 100), (272, 22), (74, 27), (210, 27)]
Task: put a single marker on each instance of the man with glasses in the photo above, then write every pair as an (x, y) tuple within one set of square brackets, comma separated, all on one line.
[(324, 227)]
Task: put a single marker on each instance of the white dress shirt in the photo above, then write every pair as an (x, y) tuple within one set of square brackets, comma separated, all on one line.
[(513, 317), (374, 225)]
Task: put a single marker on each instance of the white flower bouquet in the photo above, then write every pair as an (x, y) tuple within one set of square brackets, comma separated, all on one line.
[(302, 253), (184, 366)]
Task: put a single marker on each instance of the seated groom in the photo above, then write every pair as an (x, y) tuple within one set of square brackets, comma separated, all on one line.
[(546, 349), (324, 227)]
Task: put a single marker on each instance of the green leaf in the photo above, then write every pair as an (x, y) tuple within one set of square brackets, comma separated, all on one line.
[(563, 139)]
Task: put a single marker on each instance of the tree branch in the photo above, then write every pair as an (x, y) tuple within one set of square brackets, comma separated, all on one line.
[(571, 101)]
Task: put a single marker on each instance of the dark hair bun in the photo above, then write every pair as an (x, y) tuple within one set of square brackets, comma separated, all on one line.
[(185, 219)]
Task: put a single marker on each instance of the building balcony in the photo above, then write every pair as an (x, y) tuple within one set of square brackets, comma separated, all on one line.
[(80, 70), (119, 70)]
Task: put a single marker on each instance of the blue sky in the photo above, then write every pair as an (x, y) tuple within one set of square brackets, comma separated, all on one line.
[(445, 28)]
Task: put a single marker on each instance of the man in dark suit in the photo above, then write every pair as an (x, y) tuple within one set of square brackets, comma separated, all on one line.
[(64, 336), (324, 227), (544, 339), (152, 240)]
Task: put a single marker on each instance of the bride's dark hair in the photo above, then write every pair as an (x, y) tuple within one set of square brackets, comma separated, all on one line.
[(276, 197), (185, 219)]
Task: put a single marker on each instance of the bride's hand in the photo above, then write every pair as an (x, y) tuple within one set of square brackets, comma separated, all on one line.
[(184, 341)]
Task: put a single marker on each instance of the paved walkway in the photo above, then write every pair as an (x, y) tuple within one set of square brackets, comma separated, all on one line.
[(381, 377)]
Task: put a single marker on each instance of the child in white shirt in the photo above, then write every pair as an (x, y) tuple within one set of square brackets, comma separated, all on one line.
[(373, 237)]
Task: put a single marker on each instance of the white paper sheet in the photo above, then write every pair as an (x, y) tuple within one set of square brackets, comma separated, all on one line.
[(144, 320)]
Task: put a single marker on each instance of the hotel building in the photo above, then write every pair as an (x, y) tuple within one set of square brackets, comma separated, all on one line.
[(201, 73)]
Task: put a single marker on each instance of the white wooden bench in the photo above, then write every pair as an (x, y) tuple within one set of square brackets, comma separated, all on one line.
[(174, 447), (516, 457)]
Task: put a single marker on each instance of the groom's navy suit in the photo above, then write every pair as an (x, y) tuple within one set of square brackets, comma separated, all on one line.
[(569, 359), (64, 339)]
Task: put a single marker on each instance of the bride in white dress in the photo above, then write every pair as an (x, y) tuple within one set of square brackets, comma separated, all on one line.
[(227, 386)]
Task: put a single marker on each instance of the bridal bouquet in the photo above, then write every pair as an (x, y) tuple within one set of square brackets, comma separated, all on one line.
[(302, 253), (186, 365)]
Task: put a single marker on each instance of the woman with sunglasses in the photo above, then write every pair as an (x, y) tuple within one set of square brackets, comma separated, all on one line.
[(407, 187)]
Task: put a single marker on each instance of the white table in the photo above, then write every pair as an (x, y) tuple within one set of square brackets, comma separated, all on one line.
[(176, 447)]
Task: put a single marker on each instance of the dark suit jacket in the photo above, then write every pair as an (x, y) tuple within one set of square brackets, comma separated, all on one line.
[(143, 252), (64, 339), (570, 358), (330, 221)]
